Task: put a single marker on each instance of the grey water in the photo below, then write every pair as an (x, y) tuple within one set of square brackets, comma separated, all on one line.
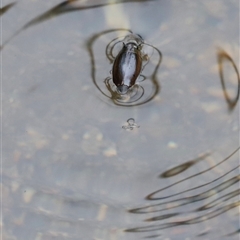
[(71, 166)]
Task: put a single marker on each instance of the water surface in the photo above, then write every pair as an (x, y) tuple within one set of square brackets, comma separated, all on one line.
[(70, 171)]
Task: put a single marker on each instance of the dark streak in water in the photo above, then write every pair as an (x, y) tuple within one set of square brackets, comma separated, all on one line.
[(183, 167), (6, 8), (222, 56), (161, 217), (69, 6), (65, 7), (212, 202), (150, 196), (216, 202), (187, 200), (234, 233), (204, 233), (192, 220), (152, 236)]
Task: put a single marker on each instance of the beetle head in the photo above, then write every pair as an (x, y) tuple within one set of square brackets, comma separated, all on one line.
[(122, 89)]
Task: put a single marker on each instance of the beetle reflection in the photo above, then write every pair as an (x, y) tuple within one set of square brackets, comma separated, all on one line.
[(129, 55)]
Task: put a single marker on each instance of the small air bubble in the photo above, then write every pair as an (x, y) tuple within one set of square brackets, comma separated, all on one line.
[(172, 145)]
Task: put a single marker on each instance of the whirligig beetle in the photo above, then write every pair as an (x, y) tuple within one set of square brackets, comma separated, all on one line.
[(129, 57), (127, 65)]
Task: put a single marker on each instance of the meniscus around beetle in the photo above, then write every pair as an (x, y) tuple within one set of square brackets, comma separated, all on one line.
[(130, 57)]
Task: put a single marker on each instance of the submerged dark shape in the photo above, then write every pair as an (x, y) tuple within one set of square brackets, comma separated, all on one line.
[(222, 56), (61, 8), (233, 233), (74, 5), (128, 63), (6, 8), (181, 168)]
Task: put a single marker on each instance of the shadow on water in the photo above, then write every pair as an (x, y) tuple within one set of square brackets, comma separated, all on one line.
[(103, 83)]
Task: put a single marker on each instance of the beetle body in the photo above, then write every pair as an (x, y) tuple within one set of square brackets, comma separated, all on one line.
[(127, 66)]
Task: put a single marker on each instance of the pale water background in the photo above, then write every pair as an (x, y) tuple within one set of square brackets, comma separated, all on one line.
[(70, 171)]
